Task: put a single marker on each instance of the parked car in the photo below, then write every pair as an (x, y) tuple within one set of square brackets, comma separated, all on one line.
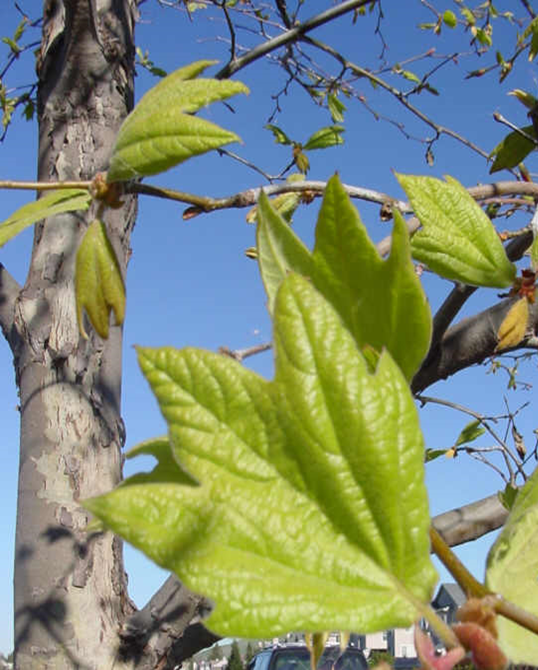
[(297, 657)]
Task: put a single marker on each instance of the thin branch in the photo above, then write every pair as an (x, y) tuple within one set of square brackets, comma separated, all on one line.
[(241, 354), (398, 95), (289, 36), (468, 583), (516, 129), (42, 185), (484, 420)]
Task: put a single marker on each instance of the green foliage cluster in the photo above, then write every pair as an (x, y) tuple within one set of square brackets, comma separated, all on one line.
[(377, 657)]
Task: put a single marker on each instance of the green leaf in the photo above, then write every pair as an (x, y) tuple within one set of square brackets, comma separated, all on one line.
[(336, 108), (507, 497), (55, 202), (167, 470), (381, 302), (324, 138), (410, 76), (457, 240), (512, 567), (288, 529), (484, 37), (433, 454), (512, 150), (99, 285), (279, 250), (532, 30), (449, 19), (161, 131), (15, 48), (472, 431), (524, 97), (279, 135)]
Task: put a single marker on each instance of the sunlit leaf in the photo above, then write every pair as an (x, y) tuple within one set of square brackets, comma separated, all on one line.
[(449, 19), (161, 131), (532, 31), (472, 431), (288, 529), (508, 496), (325, 138), (98, 282), (512, 150), (514, 326), (456, 240), (336, 108), (524, 97), (433, 454), (56, 202), (380, 301), (279, 135), (285, 203), (512, 567)]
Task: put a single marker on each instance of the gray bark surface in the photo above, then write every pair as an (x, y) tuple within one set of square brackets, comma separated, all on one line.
[(70, 590)]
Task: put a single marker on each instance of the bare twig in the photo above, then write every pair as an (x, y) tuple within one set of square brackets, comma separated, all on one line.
[(241, 354), (505, 122), (289, 36)]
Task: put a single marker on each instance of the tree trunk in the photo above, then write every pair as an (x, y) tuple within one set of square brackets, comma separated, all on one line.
[(70, 590)]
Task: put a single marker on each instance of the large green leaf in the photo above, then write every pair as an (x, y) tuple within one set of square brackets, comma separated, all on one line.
[(457, 240), (161, 131), (381, 302), (512, 567), (56, 202), (99, 287), (311, 511), (512, 150)]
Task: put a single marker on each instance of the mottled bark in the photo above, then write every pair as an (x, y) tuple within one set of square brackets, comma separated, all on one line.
[(70, 591)]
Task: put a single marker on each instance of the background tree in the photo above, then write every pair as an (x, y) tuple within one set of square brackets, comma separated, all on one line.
[(70, 388), (234, 660)]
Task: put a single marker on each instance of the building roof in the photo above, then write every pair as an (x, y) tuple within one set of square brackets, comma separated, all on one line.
[(449, 594)]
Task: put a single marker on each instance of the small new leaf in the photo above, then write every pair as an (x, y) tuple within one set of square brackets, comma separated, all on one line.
[(336, 108), (99, 285), (162, 132), (457, 240), (470, 433), (514, 326), (512, 149), (524, 97), (449, 19), (279, 135), (56, 202), (324, 138)]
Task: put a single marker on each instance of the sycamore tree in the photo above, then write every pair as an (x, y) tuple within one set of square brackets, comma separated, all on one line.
[(296, 503)]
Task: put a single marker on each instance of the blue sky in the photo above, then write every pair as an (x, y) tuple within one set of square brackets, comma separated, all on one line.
[(189, 283)]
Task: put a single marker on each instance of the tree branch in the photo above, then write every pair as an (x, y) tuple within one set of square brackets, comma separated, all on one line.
[(9, 292), (289, 36), (471, 341), (168, 629)]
